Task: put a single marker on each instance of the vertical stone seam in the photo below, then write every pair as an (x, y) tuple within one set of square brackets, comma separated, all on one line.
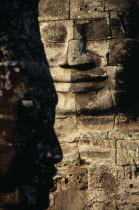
[(104, 5), (110, 87), (116, 152), (110, 28), (69, 10)]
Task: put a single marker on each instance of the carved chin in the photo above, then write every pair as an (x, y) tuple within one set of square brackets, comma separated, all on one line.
[(85, 103)]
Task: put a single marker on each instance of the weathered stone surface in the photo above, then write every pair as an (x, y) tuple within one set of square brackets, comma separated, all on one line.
[(63, 87), (95, 123), (127, 152), (96, 28), (71, 199), (117, 28), (73, 177), (82, 74), (88, 75), (89, 103), (100, 51), (85, 9), (48, 10), (60, 74), (66, 103), (124, 134), (64, 126), (129, 22), (122, 51), (116, 77), (89, 134), (81, 87), (70, 154), (117, 5), (56, 31), (93, 150), (77, 53), (106, 183), (128, 125), (56, 53), (131, 179), (127, 206)]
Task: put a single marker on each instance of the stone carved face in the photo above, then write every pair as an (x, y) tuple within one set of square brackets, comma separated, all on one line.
[(92, 54)]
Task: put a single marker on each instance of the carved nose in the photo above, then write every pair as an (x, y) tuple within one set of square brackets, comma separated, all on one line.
[(77, 54)]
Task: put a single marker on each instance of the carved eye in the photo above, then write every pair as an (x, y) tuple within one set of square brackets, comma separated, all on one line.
[(55, 33)]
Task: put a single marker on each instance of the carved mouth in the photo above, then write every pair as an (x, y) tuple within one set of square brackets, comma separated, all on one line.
[(83, 81), (80, 67)]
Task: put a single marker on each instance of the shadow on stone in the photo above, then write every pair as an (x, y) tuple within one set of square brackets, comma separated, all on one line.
[(29, 147)]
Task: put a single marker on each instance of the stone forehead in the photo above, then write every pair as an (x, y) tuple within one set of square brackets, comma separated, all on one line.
[(80, 9)]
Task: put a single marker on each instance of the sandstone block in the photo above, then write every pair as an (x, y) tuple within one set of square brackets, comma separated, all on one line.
[(56, 53), (129, 23), (63, 87), (117, 5), (116, 76), (106, 183), (82, 87), (89, 103), (128, 125), (90, 75), (85, 87), (77, 54), (66, 103), (131, 178), (117, 28), (70, 154), (127, 152), (96, 123), (56, 31), (60, 74), (73, 178), (96, 28), (98, 172), (85, 9), (64, 126), (94, 150), (89, 135), (71, 199), (124, 134), (100, 51), (122, 51), (48, 10)]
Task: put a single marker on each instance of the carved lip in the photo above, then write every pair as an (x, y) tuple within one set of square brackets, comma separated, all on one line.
[(79, 87), (92, 75)]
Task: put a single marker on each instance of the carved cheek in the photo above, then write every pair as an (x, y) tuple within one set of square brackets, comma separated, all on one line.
[(55, 36), (56, 53)]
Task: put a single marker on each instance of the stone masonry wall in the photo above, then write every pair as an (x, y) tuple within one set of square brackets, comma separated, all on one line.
[(92, 47)]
